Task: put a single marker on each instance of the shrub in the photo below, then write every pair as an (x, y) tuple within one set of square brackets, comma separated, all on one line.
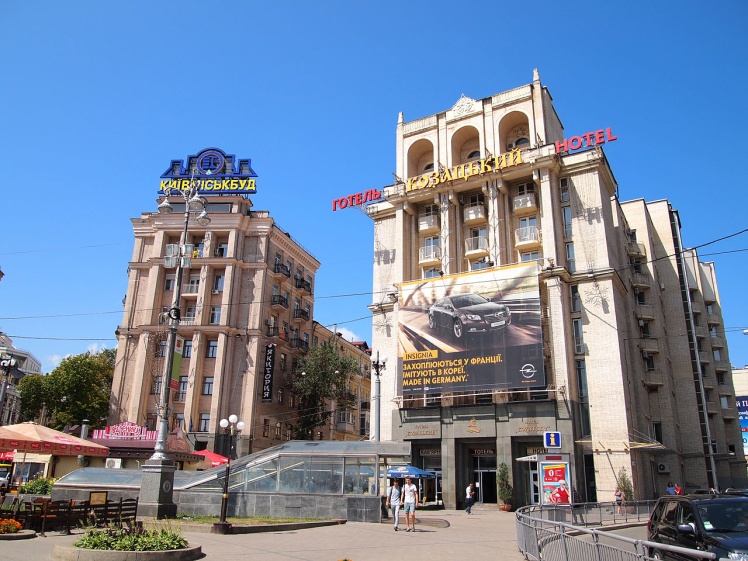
[(624, 484), (9, 526), (131, 539), (504, 488), (38, 486)]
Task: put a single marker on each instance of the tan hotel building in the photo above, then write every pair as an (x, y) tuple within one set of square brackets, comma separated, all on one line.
[(634, 359)]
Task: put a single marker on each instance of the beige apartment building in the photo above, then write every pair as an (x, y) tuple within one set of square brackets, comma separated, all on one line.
[(247, 298), (518, 296)]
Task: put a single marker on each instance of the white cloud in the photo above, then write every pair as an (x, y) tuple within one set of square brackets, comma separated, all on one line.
[(348, 335), (55, 360), (95, 348)]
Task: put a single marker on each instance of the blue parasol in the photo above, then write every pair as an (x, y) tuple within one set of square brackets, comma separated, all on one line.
[(409, 471)]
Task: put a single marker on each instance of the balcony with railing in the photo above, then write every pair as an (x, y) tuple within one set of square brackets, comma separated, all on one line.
[(191, 288), (476, 247), (300, 315), (641, 280), (525, 205), (475, 213), (527, 238), (297, 343), (636, 249), (278, 300), (364, 406), (272, 331), (282, 269), (429, 255), (303, 284), (644, 311), (428, 223)]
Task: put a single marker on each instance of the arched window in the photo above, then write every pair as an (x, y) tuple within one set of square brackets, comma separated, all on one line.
[(474, 155), (429, 167)]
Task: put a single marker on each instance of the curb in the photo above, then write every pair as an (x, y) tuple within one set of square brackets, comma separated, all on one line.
[(255, 529), (68, 553)]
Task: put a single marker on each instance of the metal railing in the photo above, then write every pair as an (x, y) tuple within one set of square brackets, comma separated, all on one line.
[(563, 533)]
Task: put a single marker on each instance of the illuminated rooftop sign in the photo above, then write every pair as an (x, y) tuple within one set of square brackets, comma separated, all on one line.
[(214, 171)]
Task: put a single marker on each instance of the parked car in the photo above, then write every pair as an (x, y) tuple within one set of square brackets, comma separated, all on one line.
[(712, 523), (468, 313), (4, 481)]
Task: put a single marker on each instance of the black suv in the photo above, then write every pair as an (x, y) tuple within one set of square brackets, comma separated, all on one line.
[(713, 523)]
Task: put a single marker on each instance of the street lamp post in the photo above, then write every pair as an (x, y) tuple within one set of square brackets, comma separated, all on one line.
[(157, 487), (378, 366), (231, 426)]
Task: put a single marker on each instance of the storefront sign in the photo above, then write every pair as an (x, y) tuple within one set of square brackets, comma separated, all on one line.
[(466, 171), (586, 140), (213, 171), (267, 378), (431, 452), (423, 430), (467, 327), (523, 426), (125, 431), (482, 451)]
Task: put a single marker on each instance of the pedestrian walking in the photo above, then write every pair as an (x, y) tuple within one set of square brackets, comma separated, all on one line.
[(670, 488), (393, 501), (620, 497), (469, 496), (576, 508), (410, 504)]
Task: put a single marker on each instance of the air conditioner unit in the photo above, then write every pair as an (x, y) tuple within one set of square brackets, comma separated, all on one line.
[(113, 463), (268, 323), (215, 291), (641, 323), (645, 354), (662, 467)]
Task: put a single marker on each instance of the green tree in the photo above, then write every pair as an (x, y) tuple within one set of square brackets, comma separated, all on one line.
[(322, 376), (33, 397), (625, 485), (77, 389)]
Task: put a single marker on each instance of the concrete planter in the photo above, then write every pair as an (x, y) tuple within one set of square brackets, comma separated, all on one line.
[(70, 553), (20, 535)]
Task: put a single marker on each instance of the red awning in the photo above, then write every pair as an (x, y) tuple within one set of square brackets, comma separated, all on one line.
[(38, 439), (214, 459)]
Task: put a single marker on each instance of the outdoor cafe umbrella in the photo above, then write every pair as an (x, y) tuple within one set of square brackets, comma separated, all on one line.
[(38, 439), (409, 471), (211, 458)]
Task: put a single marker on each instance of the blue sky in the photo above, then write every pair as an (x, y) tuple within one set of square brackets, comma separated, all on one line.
[(98, 97)]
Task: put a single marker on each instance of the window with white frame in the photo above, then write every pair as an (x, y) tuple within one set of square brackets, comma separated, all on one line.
[(218, 281), (528, 256), (179, 421), (169, 282), (187, 349), (215, 315), (566, 217), (576, 300), (212, 351), (724, 402), (208, 385), (156, 385), (564, 190), (525, 188), (571, 263), (204, 423), (266, 427), (181, 394)]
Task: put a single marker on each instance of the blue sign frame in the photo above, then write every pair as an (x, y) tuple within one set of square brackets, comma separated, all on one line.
[(552, 439), (214, 172)]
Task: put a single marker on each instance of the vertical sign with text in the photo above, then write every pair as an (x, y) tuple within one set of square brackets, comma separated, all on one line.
[(267, 376)]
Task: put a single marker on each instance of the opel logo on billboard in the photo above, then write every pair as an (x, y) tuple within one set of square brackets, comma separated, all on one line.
[(528, 371)]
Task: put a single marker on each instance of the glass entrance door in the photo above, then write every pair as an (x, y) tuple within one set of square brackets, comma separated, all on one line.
[(484, 475), (534, 484)]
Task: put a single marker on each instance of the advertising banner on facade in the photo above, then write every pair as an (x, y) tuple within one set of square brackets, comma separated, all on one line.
[(267, 375), (471, 332), (176, 366), (742, 401)]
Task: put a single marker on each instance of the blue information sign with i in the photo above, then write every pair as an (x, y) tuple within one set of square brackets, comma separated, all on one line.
[(552, 439)]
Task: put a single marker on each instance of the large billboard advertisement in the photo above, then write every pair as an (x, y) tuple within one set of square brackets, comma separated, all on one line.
[(742, 401), (471, 332)]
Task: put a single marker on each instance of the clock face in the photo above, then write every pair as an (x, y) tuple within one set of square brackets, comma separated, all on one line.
[(166, 486), (174, 313)]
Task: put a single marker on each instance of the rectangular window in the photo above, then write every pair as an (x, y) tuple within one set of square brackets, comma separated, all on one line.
[(566, 216), (215, 315), (179, 421), (266, 427), (156, 385), (169, 282), (657, 431), (187, 351), (525, 189), (576, 301), (724, 402), (208, 385), (578, 336), (717, 355), (649, 363), (204, 424), (280, 396), (636, 265), (721, 380), (278, 428), (151, 420), (641, 296), (644, 331), (190, 314), (283, 362), (564, 190), (181, 394), (529, 256), (571, 264), (710, 308), (288, 434), (584, 406), (222, 250), (212, 349), (161, 348), (218, 282)]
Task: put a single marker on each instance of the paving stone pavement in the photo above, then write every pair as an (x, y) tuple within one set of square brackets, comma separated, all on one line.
[(487, 534)]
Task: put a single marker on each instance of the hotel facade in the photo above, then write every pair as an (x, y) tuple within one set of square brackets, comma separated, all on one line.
[(533, 316)]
